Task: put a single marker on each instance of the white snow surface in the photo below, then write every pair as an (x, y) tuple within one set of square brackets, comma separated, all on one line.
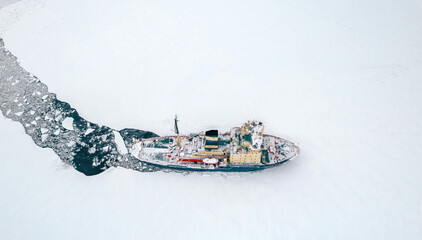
[(4, 3), (341, 78)]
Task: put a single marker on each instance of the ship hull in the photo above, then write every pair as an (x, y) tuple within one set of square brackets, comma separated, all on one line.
[(243, 149), (229, 168)]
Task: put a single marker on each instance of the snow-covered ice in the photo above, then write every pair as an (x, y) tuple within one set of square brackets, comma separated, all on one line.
[(120, 143), (341, 78), (68, 123)]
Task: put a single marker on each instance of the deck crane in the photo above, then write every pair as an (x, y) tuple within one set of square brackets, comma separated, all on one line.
[(176, 129)]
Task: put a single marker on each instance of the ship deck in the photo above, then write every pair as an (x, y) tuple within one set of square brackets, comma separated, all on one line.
[(164, 152)]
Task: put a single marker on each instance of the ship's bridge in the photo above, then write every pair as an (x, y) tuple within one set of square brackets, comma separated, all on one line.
[(246, 143)]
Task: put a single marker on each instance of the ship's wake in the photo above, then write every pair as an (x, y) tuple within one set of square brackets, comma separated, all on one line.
[(90, 148)]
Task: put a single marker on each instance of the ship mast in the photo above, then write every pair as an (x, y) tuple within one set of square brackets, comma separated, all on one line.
[(176, 129)]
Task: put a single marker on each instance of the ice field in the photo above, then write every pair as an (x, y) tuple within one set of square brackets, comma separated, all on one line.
[(340, 79)]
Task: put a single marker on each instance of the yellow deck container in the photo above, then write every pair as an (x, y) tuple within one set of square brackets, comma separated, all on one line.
[(251, 157)]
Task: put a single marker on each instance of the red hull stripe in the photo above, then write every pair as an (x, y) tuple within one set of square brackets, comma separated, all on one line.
[(190, 160)]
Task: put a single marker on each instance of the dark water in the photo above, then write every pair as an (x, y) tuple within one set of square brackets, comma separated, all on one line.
[(90, 148)]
